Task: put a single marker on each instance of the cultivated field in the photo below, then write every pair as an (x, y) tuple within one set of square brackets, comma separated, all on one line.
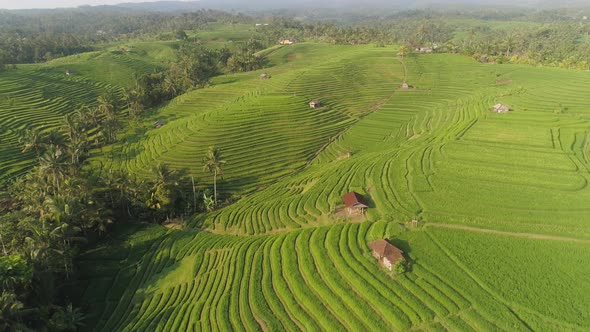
[(39, 96), (503, 237), (34, 97)]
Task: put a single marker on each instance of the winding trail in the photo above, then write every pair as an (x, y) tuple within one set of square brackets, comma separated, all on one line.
[(513, 234)]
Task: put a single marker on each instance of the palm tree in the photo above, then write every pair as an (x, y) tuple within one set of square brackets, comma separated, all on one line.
[(403, 50), (509, 42), (127, 97), (91, 116), (77, 149), (71, 126), (105, 104), (73, 318), (55, 138), (109, 129), (163, 193), (213, 163), (32, 141), (53, 165), (169, 87)]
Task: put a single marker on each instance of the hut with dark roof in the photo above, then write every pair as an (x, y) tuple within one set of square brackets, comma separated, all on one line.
[(355, 203), (315, 104), (386, 253)]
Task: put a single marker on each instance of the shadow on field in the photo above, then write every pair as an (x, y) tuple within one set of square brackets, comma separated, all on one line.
[(402, 244), (369, 200), (226, 187), (405, 247), (112, 270)]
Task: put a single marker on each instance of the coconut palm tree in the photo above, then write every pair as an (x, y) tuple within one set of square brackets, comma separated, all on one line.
[(163, 193), (71, 126), (169, 87), (77, 149), (90, 116), (32, 141), (403, 50), (106, 106), (53, 165), (127, 95), (213, 163), (55, 138)]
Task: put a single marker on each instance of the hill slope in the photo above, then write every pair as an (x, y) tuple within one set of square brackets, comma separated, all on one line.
[(503, 197), (40, 95)]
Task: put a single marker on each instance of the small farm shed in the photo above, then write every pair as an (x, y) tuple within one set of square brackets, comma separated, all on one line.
[(386, 253), (355, 203), (405, 85), (68, 72), (158, 123), (286, 42), (500, 108), (315, 104), (264, 76), (424, 49)]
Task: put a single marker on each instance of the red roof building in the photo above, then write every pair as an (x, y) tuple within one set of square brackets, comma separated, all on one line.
[(386, 253), (355, 202)]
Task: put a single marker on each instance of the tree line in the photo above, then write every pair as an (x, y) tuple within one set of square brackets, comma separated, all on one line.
[(550, 37), (562, 43), (31, 36), (193, 68)]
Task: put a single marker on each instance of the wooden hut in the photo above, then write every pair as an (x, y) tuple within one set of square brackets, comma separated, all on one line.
[(500, 108), (264, 76), (315, 104), (425, 49), (386, 253), (405, 85), (355, 203), (158, 123)]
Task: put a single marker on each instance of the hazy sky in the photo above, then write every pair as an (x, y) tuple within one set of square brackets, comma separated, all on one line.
[(20, 4)]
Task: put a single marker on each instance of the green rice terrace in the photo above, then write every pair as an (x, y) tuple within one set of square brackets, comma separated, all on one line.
[(500, 201)]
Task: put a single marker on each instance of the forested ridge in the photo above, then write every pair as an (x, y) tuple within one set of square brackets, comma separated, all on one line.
[(556, 38)]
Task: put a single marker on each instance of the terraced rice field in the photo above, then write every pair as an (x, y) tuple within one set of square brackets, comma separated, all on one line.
[(502, 197), (114, 66), (31, 97)]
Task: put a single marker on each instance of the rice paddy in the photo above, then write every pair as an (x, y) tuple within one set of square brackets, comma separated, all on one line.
[(31, 97), (503, 198)]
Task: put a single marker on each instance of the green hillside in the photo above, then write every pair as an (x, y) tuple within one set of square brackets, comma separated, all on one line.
[(503, 235), (39, 96), (117, 64), (34, 97)]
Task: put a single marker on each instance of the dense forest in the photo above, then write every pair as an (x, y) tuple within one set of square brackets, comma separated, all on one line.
[(556, 38), (63, 203)]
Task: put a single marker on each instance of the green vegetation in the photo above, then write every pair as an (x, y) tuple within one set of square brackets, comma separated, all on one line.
[(435, 151), (502, 237)]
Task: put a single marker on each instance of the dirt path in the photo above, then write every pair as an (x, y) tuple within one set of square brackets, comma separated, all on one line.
[(513, 234)]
